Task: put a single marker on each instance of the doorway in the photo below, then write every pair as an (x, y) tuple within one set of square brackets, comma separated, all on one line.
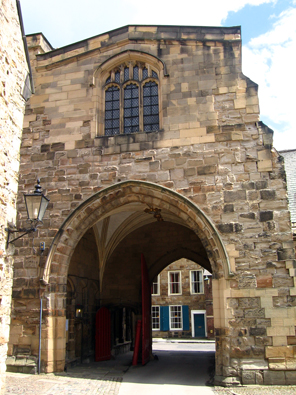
[(199, 326)]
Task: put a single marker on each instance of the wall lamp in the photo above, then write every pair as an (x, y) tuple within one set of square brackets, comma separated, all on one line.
[(79, 311), (36, 205), (207, 276)]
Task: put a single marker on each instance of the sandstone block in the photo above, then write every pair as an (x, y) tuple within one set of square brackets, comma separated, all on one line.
[(274, 378)]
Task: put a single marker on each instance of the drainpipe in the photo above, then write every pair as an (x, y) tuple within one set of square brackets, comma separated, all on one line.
[(19, 11), (40, 331)]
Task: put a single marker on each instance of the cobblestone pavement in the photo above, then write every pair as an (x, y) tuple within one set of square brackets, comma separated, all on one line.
[(93, 378), (256, 390), (105, 378), (17, 383), (88, 383)]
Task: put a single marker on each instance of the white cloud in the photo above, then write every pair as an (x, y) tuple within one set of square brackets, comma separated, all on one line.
[(269, 61), (67, 21), (188, 12)]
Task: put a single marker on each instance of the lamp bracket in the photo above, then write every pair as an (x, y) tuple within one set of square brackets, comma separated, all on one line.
[(24, 231)]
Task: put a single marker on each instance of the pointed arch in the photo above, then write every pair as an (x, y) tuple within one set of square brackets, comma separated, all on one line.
[(117, 197)]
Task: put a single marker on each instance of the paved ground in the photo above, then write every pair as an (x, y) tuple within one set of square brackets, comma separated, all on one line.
[(181, 369)]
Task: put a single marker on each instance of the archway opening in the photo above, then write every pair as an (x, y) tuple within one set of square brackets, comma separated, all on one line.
[(110, 277), (102, 242)]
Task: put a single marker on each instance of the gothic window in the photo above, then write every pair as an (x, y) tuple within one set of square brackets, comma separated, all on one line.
[(117, 77), (150, 106), (131, 99), (131, 108), (112, 111)]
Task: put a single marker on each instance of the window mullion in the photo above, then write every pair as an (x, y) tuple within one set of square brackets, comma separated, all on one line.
[(121, 106), (141, 112)]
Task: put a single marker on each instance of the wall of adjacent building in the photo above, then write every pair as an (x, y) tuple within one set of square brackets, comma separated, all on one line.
[(13, 70), (202, 301)]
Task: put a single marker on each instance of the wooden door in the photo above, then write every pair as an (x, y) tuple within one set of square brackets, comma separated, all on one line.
[(103, 334), (199, 325)]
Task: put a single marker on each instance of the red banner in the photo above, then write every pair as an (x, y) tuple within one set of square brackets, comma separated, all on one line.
[(146, 312)]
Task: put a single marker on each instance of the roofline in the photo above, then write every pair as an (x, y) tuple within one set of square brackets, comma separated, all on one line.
[(126, 28), (44, 38), (287, 150)]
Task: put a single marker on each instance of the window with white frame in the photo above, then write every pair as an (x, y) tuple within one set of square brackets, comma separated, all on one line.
[(175, 317), (196, 282), (155, 318), (175, 287), (155, 286), (131, 99)]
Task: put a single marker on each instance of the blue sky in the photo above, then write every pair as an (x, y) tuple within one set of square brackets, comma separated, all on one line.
[(268, 35)]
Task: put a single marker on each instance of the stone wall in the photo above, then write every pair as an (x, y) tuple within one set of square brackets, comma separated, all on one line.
[(13, 70), (211, 150)]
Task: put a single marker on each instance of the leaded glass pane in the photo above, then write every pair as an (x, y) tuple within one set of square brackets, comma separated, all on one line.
[(145, 73), (150, 106), (108, 80), (108, 95), (108, 105), (146, 99), (126, 74), (117, 76), (135, 111), (112, 111), (154, 74), (131, 108), (154, 89), (154, 109), (136, 73), (127, 93)]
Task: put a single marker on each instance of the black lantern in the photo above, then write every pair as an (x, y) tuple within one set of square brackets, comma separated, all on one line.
[(36, 205)]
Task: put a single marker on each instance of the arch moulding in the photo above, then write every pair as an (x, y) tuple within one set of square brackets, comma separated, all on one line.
[(103, 203)]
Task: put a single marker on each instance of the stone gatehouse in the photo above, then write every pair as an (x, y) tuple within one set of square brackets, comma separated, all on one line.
[(147, 140)]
